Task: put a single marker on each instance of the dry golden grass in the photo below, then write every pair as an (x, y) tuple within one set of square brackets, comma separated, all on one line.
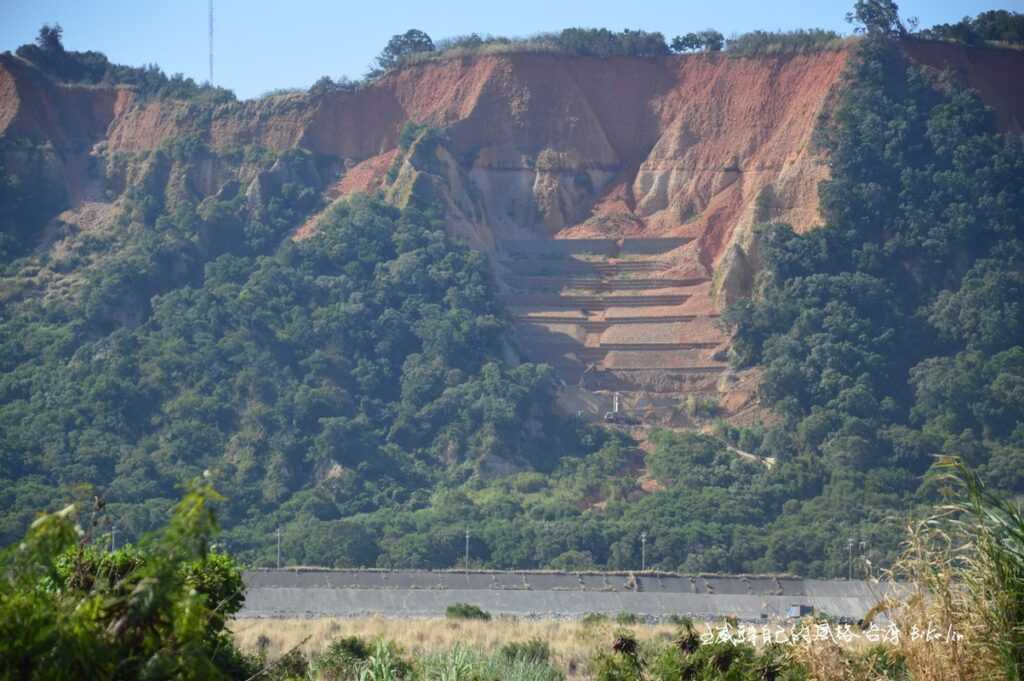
[(572, 643)]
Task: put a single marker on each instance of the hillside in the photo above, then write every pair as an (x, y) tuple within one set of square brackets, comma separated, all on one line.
[(699, 147), (195, 285)]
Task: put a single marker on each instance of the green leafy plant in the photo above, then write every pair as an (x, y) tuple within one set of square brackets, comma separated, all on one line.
[(466, 611), (68, 612)]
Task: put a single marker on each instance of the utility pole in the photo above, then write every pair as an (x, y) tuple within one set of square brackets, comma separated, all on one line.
[(211, 43), (279, 548), (643, 551), (849, 548), (466, 564)]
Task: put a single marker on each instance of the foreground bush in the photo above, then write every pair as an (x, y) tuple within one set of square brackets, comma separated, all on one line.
[(343, 660), (158, 611)]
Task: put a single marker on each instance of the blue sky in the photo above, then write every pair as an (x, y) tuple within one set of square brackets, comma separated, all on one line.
[(261, 46)]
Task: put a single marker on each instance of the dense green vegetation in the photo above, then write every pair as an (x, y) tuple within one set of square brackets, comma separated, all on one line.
[(402, 46), (347, 373), (710, 40), (892, 334), (783, 42), (415, 46)]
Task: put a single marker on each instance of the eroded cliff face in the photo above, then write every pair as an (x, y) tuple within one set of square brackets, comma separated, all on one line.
[(552, 146), (572, 147), (655, 169)]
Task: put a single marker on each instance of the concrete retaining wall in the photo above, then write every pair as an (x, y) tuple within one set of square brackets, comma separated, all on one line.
[(606, 247), (415, 593)]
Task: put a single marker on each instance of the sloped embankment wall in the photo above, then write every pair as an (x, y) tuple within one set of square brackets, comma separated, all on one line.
[(422, 593)]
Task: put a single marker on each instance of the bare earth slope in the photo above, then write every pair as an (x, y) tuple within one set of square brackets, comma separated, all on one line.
[(647, 172)]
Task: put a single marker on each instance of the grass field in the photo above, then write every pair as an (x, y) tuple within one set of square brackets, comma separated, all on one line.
[(572, 642)]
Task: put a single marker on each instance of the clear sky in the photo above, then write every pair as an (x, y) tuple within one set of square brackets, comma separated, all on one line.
[(261, 46)]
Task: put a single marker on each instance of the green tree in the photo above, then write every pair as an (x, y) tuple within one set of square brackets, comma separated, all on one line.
[(49, 38), (686, 43), (709, 40), (401, 46), (877, 17)]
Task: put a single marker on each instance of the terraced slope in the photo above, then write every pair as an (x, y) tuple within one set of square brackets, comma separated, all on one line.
[(610, 318)]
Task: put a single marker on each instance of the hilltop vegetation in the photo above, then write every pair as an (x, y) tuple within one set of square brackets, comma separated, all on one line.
[(93, 68), (870, 17), (995, 26)]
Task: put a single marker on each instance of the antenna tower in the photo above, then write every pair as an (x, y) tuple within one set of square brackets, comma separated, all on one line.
[(211, 42)]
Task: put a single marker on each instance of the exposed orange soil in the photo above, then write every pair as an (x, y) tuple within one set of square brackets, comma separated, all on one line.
[(556, 146), (366, 176)]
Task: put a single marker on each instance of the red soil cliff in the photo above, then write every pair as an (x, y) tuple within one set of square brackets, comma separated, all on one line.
[(552, 145)]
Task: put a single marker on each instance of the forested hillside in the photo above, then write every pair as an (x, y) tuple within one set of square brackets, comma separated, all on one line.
[(319, 378), (359, 388)]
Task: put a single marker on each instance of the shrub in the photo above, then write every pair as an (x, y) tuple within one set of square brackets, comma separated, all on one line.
[(343, 660), (385, 663), (709, 40), (622, 664), (292, 665), (681, 621), (410, 131), (465, 664), (466, 611), (600, 42), (68, 611), (783, 42), (534, 650), (470, 41), (701, 407), (765, 204)]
